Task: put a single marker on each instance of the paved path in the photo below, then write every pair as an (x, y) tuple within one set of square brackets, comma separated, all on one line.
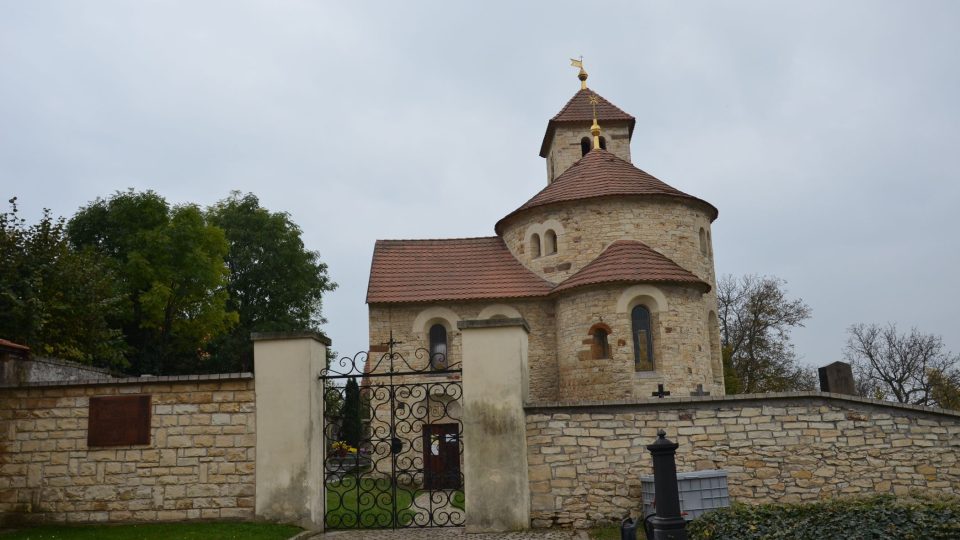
[(452, 533)]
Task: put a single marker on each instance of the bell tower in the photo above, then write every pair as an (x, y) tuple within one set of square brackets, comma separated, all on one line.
[(568, 136)]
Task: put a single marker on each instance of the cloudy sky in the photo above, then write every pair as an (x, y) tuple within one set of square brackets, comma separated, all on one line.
[(827, 133)]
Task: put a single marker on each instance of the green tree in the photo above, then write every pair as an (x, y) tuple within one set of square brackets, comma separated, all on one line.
[(170, 265), (53, 298), (756, 317), (351, 414), (276, 284)]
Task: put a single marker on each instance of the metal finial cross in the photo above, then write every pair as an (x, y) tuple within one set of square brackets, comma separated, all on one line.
[(660, 393), (392, 342)]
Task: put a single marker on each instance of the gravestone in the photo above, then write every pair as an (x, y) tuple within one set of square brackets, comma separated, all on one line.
[(837, 378)]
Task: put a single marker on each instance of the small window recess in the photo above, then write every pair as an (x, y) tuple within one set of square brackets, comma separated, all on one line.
[(438, 347), (550, 242)]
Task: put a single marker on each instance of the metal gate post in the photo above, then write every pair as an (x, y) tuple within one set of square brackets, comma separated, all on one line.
[(668, 524)]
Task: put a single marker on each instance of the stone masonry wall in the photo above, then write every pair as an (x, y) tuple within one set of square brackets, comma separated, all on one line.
[(565, 147), (668, 225), (539, 314), (199, 463), (682, 346), (585, 461)]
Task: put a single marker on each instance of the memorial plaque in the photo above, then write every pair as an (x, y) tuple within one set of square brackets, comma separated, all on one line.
[(119, 421)]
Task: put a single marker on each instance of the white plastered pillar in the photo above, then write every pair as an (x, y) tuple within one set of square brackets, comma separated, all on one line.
[(289, 464), (494, 424)]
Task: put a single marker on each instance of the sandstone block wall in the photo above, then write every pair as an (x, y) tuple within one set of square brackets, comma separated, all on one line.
[(682, 346), (585, 461), (669, 226), (565, 146), (401, 319), (199, 463)]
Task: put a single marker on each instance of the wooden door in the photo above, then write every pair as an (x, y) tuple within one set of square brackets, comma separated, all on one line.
[(441, 456)]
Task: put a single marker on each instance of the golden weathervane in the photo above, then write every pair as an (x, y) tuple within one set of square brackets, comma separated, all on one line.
[(578, 63)]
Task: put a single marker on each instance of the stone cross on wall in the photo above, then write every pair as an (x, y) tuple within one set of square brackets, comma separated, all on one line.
[(660, 393), (699, 391)]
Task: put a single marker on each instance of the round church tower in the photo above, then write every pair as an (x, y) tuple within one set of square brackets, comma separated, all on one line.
[(631, 257)]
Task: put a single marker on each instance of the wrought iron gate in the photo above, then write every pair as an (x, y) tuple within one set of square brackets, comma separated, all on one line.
[(393, 448)]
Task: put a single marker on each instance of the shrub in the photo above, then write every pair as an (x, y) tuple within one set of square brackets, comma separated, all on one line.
[(880, 516)]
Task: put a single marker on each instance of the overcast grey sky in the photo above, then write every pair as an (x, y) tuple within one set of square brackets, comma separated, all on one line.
[(827, 133)]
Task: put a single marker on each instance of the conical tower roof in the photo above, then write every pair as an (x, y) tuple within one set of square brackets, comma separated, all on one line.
[(603, 174)]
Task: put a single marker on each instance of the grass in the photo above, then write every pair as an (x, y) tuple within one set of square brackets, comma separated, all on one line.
[(457, 500), (612, 532), (372, 502), (157, 531), (371, 499)]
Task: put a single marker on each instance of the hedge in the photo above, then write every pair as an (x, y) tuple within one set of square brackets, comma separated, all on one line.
[(882, 516)]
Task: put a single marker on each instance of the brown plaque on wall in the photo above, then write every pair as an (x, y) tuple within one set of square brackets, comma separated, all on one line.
[(119, 421)]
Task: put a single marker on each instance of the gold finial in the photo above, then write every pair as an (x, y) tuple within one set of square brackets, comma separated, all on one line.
[(583, 74), (595, 128)]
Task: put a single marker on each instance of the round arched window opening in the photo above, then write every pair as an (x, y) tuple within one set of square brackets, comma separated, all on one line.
[(535, 245), (703, 241), (642, 326), (550, 241), (438, 347), (585, 146)]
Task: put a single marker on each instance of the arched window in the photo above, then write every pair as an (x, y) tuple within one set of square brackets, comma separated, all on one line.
[(550, 239), (601, 346), (603, 143), (438, 347), (535, 245), (703, 241), (642, 338), (585, 146)]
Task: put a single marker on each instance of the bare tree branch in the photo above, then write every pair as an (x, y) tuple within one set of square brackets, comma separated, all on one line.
[(901, 367)]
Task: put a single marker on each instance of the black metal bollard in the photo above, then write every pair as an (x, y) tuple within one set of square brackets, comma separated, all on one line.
[(628, 529), (668, 524)]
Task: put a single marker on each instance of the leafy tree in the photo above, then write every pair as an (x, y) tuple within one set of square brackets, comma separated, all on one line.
[(351, 431), (275, 283), (170, 265), (756, 317), (53, 298), (909, 368)]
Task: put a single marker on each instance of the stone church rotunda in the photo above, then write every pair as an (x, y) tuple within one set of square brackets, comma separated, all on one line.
[(610, 268)]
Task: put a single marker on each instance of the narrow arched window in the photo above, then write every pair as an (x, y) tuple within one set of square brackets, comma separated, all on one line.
[(601, 345), (603, 143), (438, 347), (642, 338), (550, 239), (535, 245), (585, 146), (703, 241)]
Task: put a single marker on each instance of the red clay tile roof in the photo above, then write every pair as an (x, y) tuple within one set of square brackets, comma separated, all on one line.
[(450, 269), (631, 261), (600, 174), (11, 346), (579, 110)]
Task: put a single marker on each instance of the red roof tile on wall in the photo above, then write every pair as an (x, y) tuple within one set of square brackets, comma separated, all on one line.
[(9, 345), (579, 109), (631, 261), (450, 269), (599, 174)]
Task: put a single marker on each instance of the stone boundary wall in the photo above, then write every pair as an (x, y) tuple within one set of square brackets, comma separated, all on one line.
[(199, 463), (19, 371), (586, 459)]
